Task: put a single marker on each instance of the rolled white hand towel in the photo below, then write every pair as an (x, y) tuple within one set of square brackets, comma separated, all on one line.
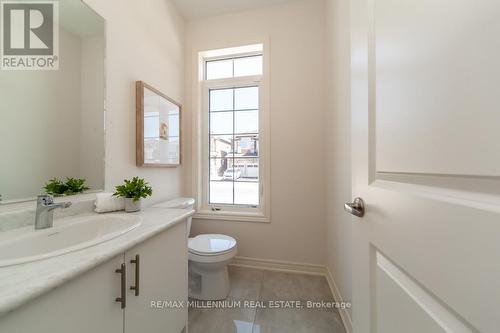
[(106, 202)]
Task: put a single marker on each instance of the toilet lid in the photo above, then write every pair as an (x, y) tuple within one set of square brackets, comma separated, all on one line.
[(179, 203), (210, 244)]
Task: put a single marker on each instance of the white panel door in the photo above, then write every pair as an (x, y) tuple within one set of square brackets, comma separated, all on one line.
[(426, 161)]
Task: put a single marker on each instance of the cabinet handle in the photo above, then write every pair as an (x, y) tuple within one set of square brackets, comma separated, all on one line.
[(137, 262), (123, 299)]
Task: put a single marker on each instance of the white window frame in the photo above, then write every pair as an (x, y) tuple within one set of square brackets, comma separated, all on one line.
[(201, 148)]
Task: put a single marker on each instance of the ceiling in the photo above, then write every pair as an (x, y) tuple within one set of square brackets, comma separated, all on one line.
[(195, 9)]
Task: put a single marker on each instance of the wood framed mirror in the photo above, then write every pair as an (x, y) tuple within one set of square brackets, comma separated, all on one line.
[(158, 128)]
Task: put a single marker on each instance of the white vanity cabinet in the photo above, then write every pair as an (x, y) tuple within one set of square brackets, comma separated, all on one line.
[(88, 303), (162, 276), (85, 304)]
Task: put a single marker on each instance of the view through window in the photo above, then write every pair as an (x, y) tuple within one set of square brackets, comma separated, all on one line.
[(234, 133)]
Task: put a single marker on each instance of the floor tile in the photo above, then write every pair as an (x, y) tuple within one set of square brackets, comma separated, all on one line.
[(314, 287), (228, 320), (297, 321), (245, 283), (264, 286), (291, 286)]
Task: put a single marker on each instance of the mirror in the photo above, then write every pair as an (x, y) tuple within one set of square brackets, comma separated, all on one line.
[(52, 121), (158, 128)]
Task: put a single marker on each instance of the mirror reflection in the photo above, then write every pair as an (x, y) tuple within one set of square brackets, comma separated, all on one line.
[(158, 128), (52, 121)]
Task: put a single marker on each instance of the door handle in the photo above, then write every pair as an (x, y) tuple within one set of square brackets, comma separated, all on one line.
[(356, 208), (123, 299), (137, 262)]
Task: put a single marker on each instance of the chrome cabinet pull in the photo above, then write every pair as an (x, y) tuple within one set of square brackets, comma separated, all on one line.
[(356, 208), (137, 262), (123, 299)]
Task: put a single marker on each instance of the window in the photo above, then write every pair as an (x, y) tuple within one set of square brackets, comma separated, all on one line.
[(234, 67), (234, 146), (233, 160)]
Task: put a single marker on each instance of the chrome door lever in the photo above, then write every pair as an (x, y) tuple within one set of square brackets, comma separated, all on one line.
[(356, 208)]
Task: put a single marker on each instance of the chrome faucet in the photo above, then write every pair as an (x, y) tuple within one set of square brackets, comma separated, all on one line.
[(45, 211)]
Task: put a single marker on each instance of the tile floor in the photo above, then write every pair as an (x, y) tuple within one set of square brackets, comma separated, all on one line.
[(259, 285)]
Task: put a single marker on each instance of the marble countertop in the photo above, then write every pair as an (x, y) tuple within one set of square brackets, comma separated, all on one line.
[(21, 283)]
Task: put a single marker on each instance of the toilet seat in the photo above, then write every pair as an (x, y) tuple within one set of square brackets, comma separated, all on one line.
[(211, 244), (211, 248), (215, 259)]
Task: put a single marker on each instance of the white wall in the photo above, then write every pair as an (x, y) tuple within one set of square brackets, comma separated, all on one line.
[(296, 33), (144, 41), (338, 157)]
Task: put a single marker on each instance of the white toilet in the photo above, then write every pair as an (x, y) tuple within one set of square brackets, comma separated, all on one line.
[(209, 255)]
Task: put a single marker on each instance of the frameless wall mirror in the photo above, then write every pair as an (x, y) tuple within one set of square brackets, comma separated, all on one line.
[(52, 121), (158, 121)]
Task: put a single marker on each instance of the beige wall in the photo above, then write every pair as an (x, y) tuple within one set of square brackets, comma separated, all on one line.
[(296, 34), (145, 41), (338, 158)]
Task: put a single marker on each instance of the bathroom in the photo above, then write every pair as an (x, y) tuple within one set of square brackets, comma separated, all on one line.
[(206, 166)]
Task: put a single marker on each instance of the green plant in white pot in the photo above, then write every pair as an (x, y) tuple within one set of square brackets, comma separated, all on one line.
[(133, 191)]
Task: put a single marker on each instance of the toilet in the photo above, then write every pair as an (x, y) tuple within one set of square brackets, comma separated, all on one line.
[(209, 255)]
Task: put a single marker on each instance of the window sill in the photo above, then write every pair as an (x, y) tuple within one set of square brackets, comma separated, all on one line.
[(231, 216)]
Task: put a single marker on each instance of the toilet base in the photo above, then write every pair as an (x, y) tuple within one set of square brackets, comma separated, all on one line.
[(208, 281)]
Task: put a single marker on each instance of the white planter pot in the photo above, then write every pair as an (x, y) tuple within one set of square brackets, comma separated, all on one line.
[(132, 206)]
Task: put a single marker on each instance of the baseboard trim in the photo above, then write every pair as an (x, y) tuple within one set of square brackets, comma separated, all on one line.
[(276, 265), (344, 314), (302, 268)]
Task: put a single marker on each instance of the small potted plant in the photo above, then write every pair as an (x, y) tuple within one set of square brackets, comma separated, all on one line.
[(133, 191), (57, 187)]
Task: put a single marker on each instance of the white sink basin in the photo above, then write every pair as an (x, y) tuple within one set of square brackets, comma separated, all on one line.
[(69, 234)]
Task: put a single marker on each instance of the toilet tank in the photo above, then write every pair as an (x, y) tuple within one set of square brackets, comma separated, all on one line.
[(179, 203)]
